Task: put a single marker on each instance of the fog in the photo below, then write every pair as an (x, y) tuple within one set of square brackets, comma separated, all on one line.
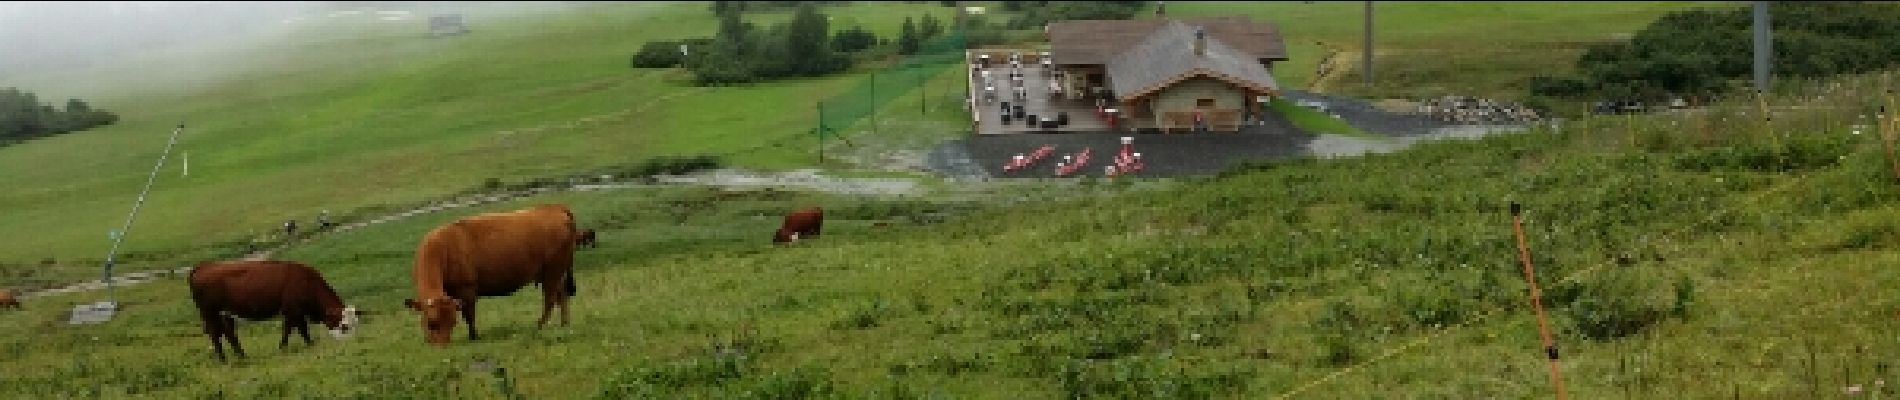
[(47, 36), (38, 36)]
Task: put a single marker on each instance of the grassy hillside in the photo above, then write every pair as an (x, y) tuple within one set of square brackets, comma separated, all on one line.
[(1430, 48), (346, 113), (1682, 256)]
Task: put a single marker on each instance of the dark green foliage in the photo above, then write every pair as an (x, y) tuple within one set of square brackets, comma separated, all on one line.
[(658, 54), (1793, 153), (1710, 51), (743, 53), (853, 39), (1614, 303), (907, 38), (1037, 13), (1148, 378), (929, 26), (722, 7), (23, 117)]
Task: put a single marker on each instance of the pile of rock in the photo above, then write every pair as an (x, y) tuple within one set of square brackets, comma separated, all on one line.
[(1473, 110)]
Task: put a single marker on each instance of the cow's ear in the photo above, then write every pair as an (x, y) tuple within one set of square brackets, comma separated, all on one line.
[(411, 303)]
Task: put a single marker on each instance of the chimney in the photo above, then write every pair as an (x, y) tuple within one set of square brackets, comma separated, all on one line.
[(1200, 41)]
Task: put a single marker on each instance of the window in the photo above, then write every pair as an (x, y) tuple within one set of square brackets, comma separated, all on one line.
[(1204, 103)]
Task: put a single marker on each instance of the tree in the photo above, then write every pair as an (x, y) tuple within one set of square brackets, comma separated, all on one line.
[(1698, 52), (23, 117), (734, 32), (658, 54), (806, 41), (907, 40), (853, 39), (930, 27)]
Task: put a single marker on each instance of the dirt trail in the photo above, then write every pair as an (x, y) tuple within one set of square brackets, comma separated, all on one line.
[(799, 180)]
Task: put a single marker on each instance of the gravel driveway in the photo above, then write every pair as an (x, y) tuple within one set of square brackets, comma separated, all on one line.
[(1172, 155)]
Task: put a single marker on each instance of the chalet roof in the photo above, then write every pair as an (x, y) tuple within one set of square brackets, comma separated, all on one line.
[(1167, 57), (1098, 41)]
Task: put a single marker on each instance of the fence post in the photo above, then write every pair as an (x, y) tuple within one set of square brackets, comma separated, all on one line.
[(820, 131), (924, 91), (874, 102), (1530, 278)]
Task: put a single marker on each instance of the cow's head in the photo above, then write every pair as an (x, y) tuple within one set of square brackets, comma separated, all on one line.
[(784, 236), (341, 321), (438, 318)]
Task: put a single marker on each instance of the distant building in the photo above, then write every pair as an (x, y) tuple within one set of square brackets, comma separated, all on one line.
[(1173, 74), (446, 25)]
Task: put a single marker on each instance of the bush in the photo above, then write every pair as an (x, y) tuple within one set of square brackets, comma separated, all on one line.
[(1796, 153), (23, 117), (658, 54), (853, 39), (1698, 52), (1619, 303)]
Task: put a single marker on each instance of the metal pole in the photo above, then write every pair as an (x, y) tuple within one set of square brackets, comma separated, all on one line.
[(1764, 46), (874, 103), (1368, 56), (123, 230), (821, 133)]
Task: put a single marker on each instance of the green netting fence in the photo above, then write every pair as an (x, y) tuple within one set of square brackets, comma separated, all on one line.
[(839, 114)]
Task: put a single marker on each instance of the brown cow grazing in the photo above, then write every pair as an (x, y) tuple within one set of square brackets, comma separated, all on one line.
[(8, 299), (490, 255), (586, 239), (260, 290), (801, 223)]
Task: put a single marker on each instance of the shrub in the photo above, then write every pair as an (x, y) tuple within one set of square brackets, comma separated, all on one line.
[(853, 39), (658, 54), (1699, 52), (1618, 304)]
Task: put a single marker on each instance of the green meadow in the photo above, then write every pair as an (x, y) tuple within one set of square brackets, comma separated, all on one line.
[(1692, 255), (356, 114)]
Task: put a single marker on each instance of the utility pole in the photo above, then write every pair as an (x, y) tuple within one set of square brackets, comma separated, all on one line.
[(1368, 67), (1764, 46), (111, 297)]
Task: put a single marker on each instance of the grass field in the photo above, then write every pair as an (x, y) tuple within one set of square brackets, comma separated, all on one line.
[(1314, 121), (1750, 265), (345, 114), (1435, 48), (1681, 255), (340, 113)]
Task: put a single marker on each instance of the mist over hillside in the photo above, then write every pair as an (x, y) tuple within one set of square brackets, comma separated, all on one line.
[(40, 36)]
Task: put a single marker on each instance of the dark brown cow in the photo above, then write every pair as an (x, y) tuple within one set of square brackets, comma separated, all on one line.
[(260, 290), (9, 300), (800, 224), (491, 255), (586, 239)]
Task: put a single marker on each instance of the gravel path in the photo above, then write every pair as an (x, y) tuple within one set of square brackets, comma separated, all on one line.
[(810, 180), (1363, 115), (1173, 155)]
